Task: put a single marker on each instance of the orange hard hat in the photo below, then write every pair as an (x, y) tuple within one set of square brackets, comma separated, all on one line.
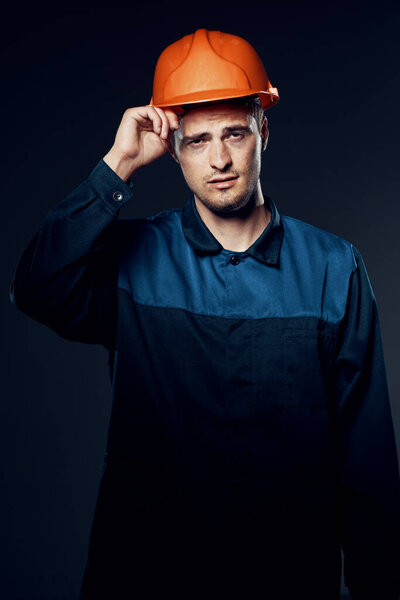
[(207, 66)]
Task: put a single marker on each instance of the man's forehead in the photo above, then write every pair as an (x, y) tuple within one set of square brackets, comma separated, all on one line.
[(225, 112)]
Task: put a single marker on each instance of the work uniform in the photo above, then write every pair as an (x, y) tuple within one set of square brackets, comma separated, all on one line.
[(251, 434)]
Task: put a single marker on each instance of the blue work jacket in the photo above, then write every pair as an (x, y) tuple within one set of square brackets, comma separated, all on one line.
[(251, 435)]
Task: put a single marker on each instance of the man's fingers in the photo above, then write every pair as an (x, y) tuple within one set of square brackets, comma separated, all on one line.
[(173, 118), (165, 122), (170, 121), (144, 114), (155, 116)]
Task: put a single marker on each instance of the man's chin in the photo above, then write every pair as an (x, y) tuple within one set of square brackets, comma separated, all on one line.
[(225, 205)]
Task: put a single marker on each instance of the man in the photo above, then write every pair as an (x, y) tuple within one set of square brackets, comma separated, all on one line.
[(251, 435)]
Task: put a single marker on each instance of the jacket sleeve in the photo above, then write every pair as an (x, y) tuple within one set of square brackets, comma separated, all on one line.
[(367, 462), (67, 275)]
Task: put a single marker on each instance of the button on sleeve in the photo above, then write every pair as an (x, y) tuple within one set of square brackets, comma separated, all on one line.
[(109, 187)]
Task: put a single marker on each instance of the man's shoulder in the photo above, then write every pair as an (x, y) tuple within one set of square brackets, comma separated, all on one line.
[(162, 215), (157, 220), (313, 240), (306, 229), (159, 228)]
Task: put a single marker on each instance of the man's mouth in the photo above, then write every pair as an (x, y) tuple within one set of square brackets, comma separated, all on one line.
[(225, 178), (223, 182)]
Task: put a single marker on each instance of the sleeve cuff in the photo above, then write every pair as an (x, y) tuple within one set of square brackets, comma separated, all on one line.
[(108, 186)]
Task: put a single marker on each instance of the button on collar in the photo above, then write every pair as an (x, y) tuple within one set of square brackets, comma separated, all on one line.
[(266, 248), (234, 260)]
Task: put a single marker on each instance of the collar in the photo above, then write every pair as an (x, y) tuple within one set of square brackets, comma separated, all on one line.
[(266, 248)]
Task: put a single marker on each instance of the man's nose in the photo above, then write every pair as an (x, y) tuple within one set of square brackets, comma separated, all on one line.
[(219, 155)]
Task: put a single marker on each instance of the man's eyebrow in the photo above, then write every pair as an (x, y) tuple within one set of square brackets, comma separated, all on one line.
[(243, 128)]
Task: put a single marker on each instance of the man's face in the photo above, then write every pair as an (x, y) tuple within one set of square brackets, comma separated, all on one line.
[(221, 141)]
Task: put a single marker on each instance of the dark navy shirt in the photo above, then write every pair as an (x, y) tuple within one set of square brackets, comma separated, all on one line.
[(251, 435)]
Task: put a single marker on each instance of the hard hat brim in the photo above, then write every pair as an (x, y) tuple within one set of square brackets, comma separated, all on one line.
[(267, 98)]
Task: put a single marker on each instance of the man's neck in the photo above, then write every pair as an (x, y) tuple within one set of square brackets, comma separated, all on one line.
[(237, 233)]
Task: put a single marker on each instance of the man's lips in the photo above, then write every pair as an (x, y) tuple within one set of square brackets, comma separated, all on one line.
[(226, 182), (222, 178)]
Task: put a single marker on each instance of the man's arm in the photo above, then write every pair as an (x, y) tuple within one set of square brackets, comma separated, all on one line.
[(366, 450), (67, 276)]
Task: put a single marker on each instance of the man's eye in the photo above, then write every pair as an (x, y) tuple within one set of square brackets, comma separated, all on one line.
[(198, 142)]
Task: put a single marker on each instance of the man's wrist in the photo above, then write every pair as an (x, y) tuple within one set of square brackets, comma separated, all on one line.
[(108, 186), (124, 167)]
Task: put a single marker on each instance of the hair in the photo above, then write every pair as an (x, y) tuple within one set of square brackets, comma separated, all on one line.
[(252, 103)]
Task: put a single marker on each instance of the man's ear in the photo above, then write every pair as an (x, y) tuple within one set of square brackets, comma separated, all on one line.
[(264, 133)]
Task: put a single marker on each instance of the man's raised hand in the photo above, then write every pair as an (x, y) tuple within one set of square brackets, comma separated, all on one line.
[(143, 136)]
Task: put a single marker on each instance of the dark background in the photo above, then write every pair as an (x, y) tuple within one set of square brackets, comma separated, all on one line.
[(68, 75)]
